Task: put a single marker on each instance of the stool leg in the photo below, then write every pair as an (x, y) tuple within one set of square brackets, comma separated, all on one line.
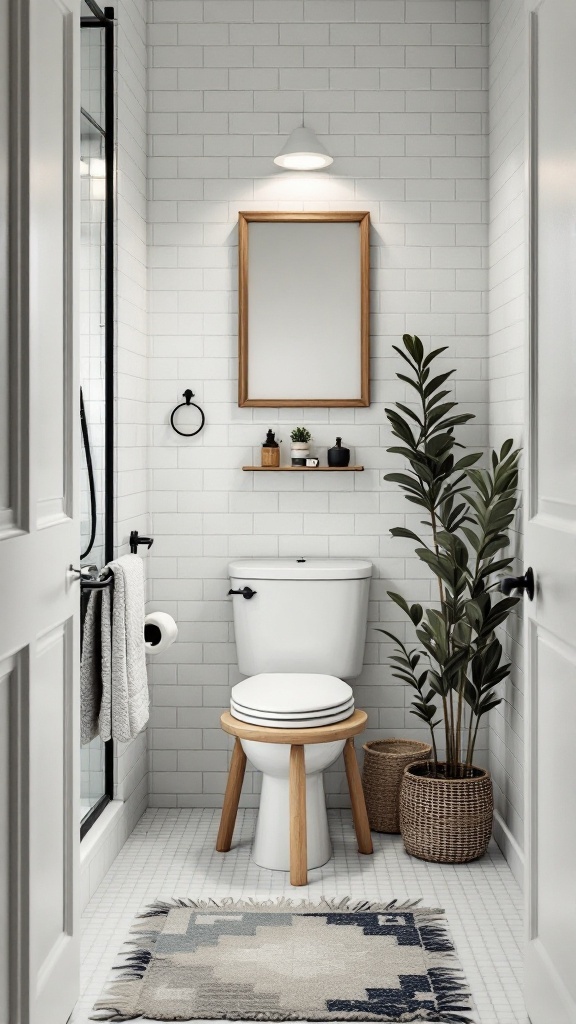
[(298, 845), (359, 814), (231, 798)]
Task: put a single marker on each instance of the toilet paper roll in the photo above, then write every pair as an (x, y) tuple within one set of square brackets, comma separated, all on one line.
[(160, 631)]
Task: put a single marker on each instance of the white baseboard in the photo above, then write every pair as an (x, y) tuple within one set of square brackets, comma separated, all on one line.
[(510, 848)]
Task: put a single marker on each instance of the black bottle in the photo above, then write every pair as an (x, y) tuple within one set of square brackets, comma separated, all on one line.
[(338, 456), (270, 452), (270, 441)]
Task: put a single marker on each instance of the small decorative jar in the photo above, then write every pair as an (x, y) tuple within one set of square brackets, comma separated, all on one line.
[(338, 456), (300, 451), (300, 445), (270, 451)]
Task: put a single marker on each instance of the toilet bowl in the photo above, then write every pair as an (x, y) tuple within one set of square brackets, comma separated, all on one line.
[(271, 847), (299, 636)]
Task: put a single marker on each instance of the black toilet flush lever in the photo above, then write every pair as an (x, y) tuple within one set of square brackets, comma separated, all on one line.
[(526, 582), (246, 592)]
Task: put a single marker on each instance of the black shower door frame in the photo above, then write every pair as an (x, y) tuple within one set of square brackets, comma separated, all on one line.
[(104, 20)]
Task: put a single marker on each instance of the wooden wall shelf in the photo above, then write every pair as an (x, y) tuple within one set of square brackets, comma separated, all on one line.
[(303, 469)]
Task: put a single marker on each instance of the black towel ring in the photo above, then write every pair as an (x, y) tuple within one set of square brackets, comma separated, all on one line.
[(188, 395)]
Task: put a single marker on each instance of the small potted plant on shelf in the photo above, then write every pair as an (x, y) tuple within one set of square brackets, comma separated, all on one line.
[(300, 445), (457, 662)]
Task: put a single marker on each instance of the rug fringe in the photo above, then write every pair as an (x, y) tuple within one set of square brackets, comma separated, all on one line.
[(346, 904), (432, 1017)]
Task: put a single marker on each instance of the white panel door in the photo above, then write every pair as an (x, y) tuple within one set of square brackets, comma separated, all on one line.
[(551, 520), (39, 523)]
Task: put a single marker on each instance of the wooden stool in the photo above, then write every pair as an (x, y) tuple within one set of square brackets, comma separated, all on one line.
[(297, 738)]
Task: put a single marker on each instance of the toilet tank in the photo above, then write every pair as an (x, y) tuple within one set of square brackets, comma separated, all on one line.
[(306, 615)]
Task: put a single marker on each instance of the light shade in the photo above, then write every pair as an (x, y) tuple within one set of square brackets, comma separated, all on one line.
[(303, 152)]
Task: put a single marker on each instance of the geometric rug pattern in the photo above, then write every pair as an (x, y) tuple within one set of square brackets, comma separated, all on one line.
[(288, 960)]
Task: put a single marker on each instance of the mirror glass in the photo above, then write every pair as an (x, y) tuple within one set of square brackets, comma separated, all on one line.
[(304, 309)]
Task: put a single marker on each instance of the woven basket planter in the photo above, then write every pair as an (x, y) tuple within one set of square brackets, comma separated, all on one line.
[(448, 821), (384, 764)]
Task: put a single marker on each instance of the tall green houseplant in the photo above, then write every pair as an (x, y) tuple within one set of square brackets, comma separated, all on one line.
[(457, 662)]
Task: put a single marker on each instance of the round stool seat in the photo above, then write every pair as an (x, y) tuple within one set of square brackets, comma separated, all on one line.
[(287, 700), (322, 734)]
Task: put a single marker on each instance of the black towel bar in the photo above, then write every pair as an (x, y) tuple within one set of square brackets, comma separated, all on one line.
[(100, 583)]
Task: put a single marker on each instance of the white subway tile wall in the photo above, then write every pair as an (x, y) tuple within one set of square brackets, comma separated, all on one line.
[(131, 501), (508, 256), (397, 92)]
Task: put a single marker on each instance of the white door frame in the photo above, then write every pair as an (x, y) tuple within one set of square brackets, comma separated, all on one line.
[(529, 488), (547, 995), (531, 439)]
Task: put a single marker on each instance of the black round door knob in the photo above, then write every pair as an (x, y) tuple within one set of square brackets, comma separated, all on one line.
[(525, 583)]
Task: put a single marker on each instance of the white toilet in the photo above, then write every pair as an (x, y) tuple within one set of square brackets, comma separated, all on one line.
[(300, 628)]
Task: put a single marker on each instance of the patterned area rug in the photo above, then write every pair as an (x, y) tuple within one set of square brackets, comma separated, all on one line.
[(275, 961)]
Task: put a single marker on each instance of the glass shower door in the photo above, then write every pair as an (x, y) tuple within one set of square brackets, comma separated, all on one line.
[(96, 347)]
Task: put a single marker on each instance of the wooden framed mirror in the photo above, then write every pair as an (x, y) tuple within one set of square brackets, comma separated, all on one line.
[(304, 309)]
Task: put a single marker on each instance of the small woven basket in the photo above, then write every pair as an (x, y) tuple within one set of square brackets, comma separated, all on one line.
[(384, 764), (448, 821)]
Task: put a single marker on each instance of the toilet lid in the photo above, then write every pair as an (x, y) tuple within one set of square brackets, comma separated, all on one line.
[(293, 723), (281, 716), (291, 693)]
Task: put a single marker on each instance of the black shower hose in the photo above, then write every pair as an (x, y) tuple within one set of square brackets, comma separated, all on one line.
[(89, 467)]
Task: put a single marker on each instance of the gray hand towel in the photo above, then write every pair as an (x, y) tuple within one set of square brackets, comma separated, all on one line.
[(91, 671), (125, 702)]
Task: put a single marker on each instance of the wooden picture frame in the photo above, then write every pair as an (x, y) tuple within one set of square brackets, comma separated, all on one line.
[(358, 352)]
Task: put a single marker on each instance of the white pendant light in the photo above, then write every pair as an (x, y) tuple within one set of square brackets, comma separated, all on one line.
[(303, 152)]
